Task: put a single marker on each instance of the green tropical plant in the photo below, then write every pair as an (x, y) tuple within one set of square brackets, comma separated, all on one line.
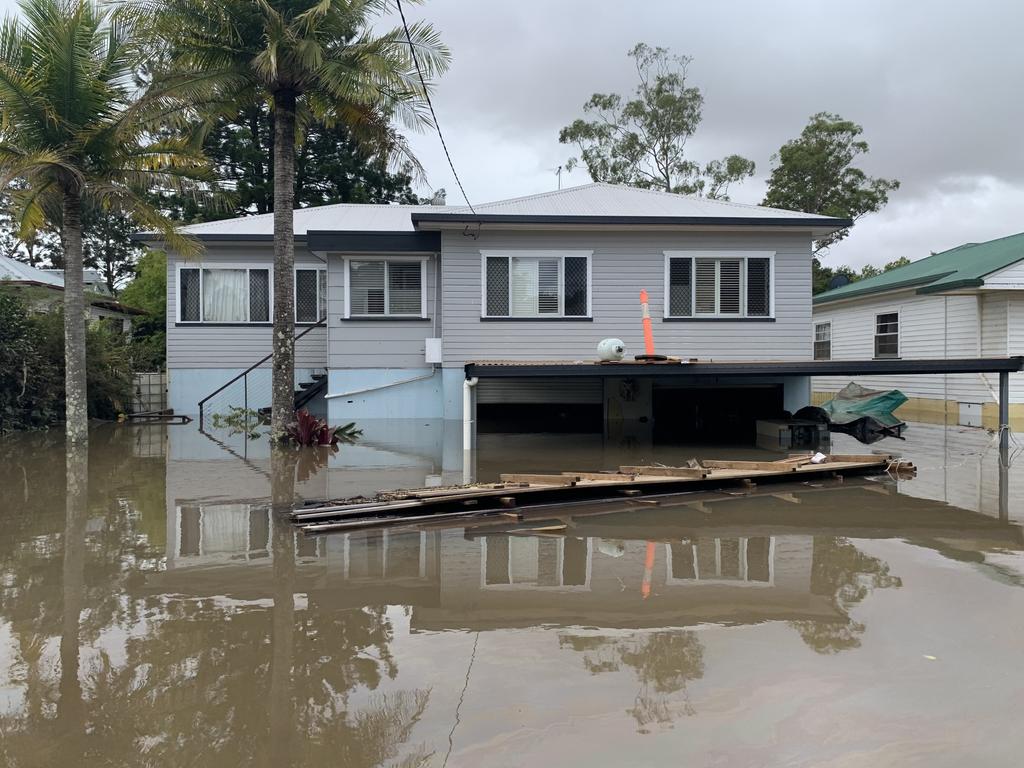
[(307, 429), (77, 131), (308, 59)]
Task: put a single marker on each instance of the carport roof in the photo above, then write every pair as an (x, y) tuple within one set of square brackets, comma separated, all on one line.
[(569, 369)]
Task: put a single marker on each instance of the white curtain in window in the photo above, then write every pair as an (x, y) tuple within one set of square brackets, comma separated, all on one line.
[(225, 296), (525, 283)]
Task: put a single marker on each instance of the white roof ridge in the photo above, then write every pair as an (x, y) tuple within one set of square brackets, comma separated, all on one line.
[(549, 193), (698, 198)]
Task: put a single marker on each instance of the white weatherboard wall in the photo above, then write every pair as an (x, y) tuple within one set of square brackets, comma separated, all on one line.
[(623, 263), (200, 358), (931, 327)]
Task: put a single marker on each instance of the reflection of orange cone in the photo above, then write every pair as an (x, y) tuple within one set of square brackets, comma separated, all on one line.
[(645, 587)]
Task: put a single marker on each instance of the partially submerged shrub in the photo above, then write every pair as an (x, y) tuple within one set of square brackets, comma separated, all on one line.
[(240, 421), (309, 430)]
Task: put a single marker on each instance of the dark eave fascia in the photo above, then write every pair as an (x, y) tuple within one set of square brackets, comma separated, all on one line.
[(323, 240), (856, 293), (419, 219), (972, 282), (697, 370)]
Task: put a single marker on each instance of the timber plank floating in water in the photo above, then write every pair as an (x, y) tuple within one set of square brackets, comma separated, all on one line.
[(517, 493)]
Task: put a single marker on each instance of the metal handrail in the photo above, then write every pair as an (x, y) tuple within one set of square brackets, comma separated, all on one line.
[(318, 324)]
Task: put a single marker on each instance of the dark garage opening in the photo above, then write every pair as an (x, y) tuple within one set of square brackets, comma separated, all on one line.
[(713, 415), (540, 417)]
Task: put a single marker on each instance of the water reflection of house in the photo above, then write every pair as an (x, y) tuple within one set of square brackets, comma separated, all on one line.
[(521, 580), (702, 558)]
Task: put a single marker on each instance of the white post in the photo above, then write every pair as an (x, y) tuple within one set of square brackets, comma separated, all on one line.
[(468, 427)]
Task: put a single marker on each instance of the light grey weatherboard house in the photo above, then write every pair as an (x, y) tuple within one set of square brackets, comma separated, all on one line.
[(411, 294)]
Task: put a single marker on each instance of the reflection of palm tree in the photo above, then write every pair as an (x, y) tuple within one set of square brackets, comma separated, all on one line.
[(846, 576), (70, 708), (194, 686), (282, 476), (664, 662)]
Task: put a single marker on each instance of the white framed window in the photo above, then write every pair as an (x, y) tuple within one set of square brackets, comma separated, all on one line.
[(310, 294), (725, 284), (823, 340), (740, 561), (535, 284), (211, 293), (393, 287), (887, 335)]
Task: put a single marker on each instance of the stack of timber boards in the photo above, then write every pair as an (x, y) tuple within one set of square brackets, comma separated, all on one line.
[(520, 491)]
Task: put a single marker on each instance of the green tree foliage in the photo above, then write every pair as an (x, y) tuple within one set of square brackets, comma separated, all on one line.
[(308, 60), (642, 141), (37, 249), (77, 132), (148, 291), (107, 244), (823, 276), (30, 387), (32, 352), (815, 173), (331, 166)]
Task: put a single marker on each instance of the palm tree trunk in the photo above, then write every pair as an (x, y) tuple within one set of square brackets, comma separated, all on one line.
[(283, 365), (76, 403)]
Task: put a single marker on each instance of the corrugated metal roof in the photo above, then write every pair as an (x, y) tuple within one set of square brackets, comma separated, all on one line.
[(350, 217), (587, 200), (960, 267), (619, 200), (19, 272)]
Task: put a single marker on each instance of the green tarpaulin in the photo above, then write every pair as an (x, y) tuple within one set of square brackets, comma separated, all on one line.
[(854, 402)]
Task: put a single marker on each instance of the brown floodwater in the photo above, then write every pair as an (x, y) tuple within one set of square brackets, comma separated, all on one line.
[(156, 610)]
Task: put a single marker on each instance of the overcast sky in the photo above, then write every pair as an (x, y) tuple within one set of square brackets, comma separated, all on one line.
[(936, 85)]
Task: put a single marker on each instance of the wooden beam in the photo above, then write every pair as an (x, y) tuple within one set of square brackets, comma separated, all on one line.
[(860, 458), (605, 476), (753, 466), (693, 473), (568, 480)]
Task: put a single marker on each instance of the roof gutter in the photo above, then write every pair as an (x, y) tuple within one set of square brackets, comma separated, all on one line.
[(973, 282), (825, 298), (437, 220)]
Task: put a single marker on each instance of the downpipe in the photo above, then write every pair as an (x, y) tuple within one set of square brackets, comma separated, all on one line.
[(467, 429)]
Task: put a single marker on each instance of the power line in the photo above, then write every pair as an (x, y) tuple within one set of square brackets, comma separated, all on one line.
[(430, 104)]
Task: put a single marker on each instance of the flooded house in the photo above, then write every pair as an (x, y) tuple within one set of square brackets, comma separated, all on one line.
[(964, 302), (395, 304)]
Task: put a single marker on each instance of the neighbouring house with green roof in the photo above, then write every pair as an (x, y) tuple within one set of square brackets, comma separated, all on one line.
[(964, 302)]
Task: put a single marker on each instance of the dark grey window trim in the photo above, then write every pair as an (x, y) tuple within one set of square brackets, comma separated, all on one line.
[(228, 325), (386, 319), (559, 319), (718, 319)]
